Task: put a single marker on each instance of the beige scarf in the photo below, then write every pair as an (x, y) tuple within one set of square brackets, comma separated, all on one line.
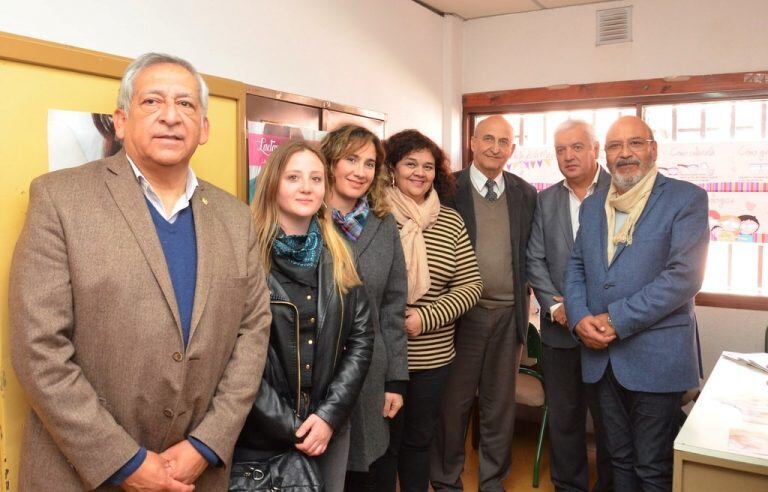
[(414, 219), (632, 202)]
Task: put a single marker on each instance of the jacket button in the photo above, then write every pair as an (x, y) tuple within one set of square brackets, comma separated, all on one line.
[(168, 413), (311, 321), (177, 356), (310, 341), (309, 297), (307, 366)]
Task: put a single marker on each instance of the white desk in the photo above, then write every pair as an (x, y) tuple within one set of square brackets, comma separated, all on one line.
[(704, 460)]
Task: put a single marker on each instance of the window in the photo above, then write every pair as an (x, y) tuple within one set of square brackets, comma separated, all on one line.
[(534, 157), (722, 147), (716, 139)]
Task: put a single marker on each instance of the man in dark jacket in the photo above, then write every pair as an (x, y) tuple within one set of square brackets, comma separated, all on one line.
[(497, 208)]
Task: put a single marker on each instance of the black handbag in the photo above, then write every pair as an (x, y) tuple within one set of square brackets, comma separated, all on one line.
[(290, 471)]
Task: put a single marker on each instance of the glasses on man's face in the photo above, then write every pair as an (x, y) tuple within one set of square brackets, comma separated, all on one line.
[(635, 145)]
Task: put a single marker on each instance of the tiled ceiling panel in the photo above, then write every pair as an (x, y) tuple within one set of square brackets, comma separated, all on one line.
[(472, 9), (553, 4)]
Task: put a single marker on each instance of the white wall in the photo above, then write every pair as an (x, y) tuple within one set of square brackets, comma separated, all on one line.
[(671, 37), (384, 55), (453, 28), (736, 330)]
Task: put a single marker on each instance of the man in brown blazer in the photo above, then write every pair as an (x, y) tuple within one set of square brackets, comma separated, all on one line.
[(139, 310)]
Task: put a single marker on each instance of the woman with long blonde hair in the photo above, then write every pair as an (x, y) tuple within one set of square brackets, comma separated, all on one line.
[(321, 337)]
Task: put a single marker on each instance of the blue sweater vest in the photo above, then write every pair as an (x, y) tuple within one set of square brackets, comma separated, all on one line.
[(179, 243)]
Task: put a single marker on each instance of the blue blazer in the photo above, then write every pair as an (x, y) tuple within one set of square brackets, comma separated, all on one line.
[(647, 290)]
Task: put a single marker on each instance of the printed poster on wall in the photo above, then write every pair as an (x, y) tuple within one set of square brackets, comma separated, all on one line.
[(76, 137), (264, 138), (735, 174)]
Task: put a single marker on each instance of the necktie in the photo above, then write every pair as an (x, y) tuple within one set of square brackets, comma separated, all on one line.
[(491, 196)]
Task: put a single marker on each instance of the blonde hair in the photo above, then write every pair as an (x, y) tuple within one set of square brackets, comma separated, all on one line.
[(347, 140), (266, 215)]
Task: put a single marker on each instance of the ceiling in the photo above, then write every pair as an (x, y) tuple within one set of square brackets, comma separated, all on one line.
[(472, 9)]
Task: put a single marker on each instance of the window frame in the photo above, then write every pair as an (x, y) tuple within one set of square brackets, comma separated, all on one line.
[(637, 93)]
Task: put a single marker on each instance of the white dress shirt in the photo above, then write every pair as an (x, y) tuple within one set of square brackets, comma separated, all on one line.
[(479, 179), (575, 205), (154, 198)]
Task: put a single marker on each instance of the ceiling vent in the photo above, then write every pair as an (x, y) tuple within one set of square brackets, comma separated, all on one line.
[(614, 25)]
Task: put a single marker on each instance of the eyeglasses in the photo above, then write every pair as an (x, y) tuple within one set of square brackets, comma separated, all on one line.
[(634, 144)]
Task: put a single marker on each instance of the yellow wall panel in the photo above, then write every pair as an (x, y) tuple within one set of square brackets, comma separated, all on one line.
[(29, 91)]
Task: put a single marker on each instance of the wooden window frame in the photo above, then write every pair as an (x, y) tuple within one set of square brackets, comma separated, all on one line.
[(637, 93)]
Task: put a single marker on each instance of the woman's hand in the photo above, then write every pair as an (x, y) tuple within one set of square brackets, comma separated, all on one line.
[(392, 403), (316, 433), (412, 323)]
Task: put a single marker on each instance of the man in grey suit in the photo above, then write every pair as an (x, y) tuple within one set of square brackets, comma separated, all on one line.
[(637, 263), (139, 308), (555, 224)]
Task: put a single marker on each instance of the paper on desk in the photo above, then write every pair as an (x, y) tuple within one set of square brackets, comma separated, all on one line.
[(748, 441), (753, 408), (758, 357), (753, 405)]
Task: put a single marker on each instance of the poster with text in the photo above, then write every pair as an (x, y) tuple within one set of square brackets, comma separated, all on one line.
[(264, 138)]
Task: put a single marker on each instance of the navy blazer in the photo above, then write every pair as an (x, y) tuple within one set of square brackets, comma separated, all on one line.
[(647, 290)]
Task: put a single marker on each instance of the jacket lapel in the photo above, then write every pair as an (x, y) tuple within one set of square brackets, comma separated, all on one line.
[(206, 247), (122, 185), (372, 224), (655, 194), (564, 214), (603, 179), (465, 205), (326, 290), (603, 230), (514, 206)]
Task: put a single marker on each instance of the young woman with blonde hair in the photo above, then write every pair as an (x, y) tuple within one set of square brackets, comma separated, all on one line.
[(321, 335)]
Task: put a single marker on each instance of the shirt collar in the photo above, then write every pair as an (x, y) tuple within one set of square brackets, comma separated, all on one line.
[(147, 187), (479, 179), (591, 186)]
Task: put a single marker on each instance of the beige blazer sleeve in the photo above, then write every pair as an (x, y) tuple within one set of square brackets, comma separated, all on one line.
[(41, 315)]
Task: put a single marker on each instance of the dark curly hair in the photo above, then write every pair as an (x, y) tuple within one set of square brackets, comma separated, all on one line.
[(399, 145)]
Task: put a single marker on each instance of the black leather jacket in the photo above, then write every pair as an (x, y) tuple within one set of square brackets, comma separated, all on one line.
[(344, 344)]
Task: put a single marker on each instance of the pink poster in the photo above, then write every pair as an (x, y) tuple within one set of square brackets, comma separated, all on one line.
[(264, 138)]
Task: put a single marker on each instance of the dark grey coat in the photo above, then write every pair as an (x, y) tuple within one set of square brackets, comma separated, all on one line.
[(549, 250), (382, 267)]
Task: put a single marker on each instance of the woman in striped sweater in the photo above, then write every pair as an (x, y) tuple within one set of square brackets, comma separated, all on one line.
[(443, 283)]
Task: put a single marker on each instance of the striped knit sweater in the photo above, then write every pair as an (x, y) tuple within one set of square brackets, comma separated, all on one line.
[(455, 287)]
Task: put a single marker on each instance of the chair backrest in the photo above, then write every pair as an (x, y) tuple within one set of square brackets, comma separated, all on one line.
[(533, 344)]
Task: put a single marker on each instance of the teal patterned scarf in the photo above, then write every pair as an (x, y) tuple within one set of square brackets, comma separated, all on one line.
[(302, 250)]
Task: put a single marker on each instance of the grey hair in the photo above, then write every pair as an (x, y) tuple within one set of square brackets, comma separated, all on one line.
[(146, 60), (570, 124)]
